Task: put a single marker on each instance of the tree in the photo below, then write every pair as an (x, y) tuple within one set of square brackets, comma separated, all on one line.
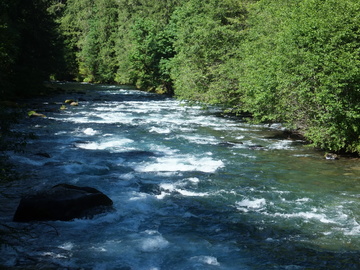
[(301, 66), (75, 26), (207, 34), (123, 41), (145, 43), (97, 54), (28, 46)]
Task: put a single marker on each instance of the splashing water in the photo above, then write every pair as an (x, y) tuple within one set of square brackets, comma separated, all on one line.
[(191, 189)]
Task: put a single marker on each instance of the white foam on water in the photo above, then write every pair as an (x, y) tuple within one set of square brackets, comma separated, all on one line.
[(185, 129), (207, 260), (188, 193), (198, 139), (354, 230), (126, 176), (99, 249), (228, 126), (115, 144), (111, 117), (180, 187), (153, 242), (247, 205), (182, 163), (174, 188), (348, 221), (54, 255), (168, 186), (139, 196), (103, 108), (194, 180), (250, 156), (90, 131), (74, 119), (160, 130), (302, 200), (206, 121), (102, 117), (67, 246), (281, 145), (162, 195), (60, 133), (301, 155), (307, 216), (163, 149)]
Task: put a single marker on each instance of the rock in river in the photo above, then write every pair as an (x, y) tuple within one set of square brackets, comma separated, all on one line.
[(62, 202)]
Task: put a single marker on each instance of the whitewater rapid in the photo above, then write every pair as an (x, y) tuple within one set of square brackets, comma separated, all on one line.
[(192, 189)]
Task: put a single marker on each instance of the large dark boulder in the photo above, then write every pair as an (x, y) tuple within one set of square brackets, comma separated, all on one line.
[(62, 202)]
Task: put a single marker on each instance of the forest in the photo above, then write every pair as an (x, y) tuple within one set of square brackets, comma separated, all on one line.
[(291, 61)]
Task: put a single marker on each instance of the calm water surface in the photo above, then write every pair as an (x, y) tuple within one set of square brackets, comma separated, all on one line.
[(191, 189)]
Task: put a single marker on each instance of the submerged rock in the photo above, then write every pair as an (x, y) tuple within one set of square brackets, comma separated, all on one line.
[(35, 114), (331, 156), (230, 143), (62, 202), (68, 101), (71, 102), (149, 188), (43, 154), (74, 103), (256, 147)]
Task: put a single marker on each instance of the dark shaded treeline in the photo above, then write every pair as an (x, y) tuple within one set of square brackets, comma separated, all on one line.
[(30, 46), (291, 61)]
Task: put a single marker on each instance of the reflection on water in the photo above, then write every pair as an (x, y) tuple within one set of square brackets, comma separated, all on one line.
[(192, 189)]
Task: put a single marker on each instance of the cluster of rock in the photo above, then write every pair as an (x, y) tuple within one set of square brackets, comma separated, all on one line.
[(70, 102), (62, 202)]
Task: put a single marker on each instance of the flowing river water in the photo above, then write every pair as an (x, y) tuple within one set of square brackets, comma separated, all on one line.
[(191, 189)]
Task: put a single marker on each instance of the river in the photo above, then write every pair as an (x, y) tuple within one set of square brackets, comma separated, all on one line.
[(192, 189)]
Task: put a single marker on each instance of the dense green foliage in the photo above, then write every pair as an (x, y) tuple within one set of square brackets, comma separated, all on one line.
[(292, 61), (207, 36), (29, 46), (119, 41), (301, 66), (146, 43)]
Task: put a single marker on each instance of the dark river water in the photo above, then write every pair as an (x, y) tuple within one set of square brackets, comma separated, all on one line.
[(191, 189)]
